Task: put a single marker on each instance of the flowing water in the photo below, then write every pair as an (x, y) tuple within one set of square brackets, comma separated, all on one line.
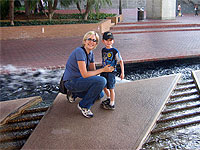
[(44, 83)]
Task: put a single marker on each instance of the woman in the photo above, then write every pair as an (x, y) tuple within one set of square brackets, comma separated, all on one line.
[(80, 74)]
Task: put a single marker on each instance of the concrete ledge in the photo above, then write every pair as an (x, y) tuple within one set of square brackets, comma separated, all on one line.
[(53, 31), (14, 108), (196, 76), (116, 19), (138, 104)]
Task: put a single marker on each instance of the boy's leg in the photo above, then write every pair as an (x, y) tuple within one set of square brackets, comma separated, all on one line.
[(110, 87), (107, 100), (107, 92), (109, 103), (112, 97)]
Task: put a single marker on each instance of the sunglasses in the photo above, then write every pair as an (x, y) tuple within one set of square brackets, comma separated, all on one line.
[(89, 39)]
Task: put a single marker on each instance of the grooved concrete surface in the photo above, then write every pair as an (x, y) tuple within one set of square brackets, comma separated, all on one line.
[(8, 107), (196, 75), (138, 103)]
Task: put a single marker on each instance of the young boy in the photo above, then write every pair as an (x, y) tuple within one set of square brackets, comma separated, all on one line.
[(111, 56)]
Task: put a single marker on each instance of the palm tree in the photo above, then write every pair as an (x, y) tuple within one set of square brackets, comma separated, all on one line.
[(99, 3), (90, 4), (27, 7), (30, 5), (67, 3), (88, 8), (52, 5), (11, 11), (96, 4)]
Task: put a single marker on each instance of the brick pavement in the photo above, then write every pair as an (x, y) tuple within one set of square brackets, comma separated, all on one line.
[(53, 52)]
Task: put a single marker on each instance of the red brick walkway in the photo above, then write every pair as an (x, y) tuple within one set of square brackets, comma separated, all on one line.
[(53, 53)]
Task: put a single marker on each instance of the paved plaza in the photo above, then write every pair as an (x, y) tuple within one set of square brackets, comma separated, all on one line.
[(138, 103), (140, 47)]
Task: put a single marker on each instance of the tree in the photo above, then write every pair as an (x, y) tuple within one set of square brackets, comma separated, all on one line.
[(88, 8), (52, 5), (67, 3), (11, 12), (78, 6), (4, 5), (90, 5), (97, 4), (27, 7), (32, 4)]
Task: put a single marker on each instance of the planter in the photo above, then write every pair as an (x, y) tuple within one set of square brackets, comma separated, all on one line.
[(116, 19), (53, 31)]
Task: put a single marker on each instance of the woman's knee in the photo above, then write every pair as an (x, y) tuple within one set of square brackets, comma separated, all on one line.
[(101, 81)]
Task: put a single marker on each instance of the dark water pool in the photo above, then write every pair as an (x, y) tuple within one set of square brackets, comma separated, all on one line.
[(44, 83)]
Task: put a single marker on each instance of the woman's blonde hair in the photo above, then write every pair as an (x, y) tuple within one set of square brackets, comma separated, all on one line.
[(89, 34)]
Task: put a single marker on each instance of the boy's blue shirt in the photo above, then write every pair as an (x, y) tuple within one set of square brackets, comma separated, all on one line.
[(110, 56)]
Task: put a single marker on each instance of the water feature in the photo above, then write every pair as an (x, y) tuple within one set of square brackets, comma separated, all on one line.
[(178, 125), (44, 83)]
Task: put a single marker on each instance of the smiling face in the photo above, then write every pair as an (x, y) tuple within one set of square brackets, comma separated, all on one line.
[(108, 43), (90, 43), (90, 40)]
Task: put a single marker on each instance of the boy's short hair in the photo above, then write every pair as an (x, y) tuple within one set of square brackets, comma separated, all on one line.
[(108, 35)]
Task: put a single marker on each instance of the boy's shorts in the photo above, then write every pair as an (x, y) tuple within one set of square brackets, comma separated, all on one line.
[(110, 77)]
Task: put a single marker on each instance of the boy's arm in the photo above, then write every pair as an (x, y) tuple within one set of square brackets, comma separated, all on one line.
[(122, 69), (120, 60)]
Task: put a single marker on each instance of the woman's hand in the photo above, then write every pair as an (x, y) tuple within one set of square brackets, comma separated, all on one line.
[(86, 74), (108, 68)]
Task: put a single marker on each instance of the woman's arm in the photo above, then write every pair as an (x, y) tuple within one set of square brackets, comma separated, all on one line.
[(86, 74)]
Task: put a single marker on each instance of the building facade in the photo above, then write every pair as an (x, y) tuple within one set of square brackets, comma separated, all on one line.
[(126, 4), (187, 5)]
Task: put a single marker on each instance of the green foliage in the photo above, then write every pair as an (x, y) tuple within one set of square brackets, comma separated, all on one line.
[(66, 3), (35, 22), (4, 4), (17, 4), (68, 16), (90, 6), (61, 19), (92, 16)]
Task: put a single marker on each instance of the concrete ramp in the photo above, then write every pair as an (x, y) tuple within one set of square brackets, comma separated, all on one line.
[(138, 104), (14, 108), (196, 76)]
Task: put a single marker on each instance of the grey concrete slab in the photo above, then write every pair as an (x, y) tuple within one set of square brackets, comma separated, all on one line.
[(138, 104), (196, 76), (13, 108)]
